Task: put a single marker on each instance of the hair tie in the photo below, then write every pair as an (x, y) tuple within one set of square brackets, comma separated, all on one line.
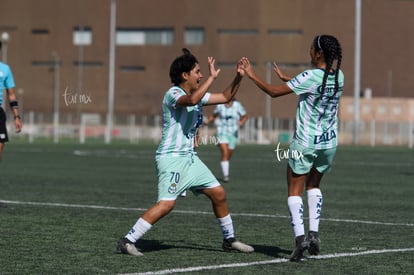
[(319, 42)]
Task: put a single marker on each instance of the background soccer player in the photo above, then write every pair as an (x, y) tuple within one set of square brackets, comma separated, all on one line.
[(230, 117), (7, 84)]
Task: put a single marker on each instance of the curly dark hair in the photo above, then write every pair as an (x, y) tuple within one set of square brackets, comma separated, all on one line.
[(184, 63)]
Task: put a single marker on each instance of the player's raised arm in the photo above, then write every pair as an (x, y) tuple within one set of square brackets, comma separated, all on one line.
[(230, 91), (192, 84), (280, 74), (273, 91)]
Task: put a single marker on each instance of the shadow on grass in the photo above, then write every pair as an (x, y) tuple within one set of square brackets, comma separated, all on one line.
[(272, 251), (156, 245)]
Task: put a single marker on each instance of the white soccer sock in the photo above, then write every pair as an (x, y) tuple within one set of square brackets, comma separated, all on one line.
[(295, 205), (225, 168), (315, 208), (226, 225), (138, 230)]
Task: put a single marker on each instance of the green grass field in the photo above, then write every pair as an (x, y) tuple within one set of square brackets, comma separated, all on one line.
[(69, 204)]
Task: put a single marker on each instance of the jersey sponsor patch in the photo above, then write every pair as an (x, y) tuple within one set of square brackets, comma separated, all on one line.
[(325, 137), (299, 79)]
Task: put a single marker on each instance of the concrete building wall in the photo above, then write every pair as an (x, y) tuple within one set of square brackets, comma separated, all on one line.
[(263, 30)]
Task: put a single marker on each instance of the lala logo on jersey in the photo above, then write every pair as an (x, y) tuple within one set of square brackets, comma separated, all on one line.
[(327, 136)]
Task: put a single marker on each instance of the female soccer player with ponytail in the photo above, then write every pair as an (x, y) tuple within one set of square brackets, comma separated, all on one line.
[(316, 134)]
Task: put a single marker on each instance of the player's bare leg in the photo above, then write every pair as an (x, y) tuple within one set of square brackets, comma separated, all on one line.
[(158, 211), (1, 150), (226, 153), (217, 195), (126, 245)]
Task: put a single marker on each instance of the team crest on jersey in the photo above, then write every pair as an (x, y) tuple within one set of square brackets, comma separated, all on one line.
[(173, 188)]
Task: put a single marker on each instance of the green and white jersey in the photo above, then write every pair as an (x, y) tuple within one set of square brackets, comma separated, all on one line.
[(228, 118), (316, 112), (180, 124)]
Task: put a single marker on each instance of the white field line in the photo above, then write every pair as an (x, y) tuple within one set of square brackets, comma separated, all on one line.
[(151, 154), (193, 212), (275, 261)]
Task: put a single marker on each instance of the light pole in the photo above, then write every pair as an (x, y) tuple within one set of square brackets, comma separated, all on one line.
[(268, 100), (56, 83), (80, 60), (357, 69), (4, 41), (111, 84)]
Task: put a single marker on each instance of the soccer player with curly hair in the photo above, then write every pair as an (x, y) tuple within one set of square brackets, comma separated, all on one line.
[(178, 166)]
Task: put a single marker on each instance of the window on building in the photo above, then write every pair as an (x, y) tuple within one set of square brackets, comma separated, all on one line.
[(88, 63), (82, 36), (194, 36), (40, 31), (284, 32), (46, 63), (128, 37), (238, 31), (131, 68)]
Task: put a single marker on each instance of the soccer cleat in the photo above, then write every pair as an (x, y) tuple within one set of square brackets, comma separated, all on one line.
[(313, 240), (232, 245), (3, 205), (226, 179), (125, 246), (301, 246)]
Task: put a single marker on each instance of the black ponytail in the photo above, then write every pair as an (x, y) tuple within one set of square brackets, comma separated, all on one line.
[(332, 51)]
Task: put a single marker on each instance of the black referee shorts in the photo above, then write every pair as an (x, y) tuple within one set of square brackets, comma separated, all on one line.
[(3, 129)]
